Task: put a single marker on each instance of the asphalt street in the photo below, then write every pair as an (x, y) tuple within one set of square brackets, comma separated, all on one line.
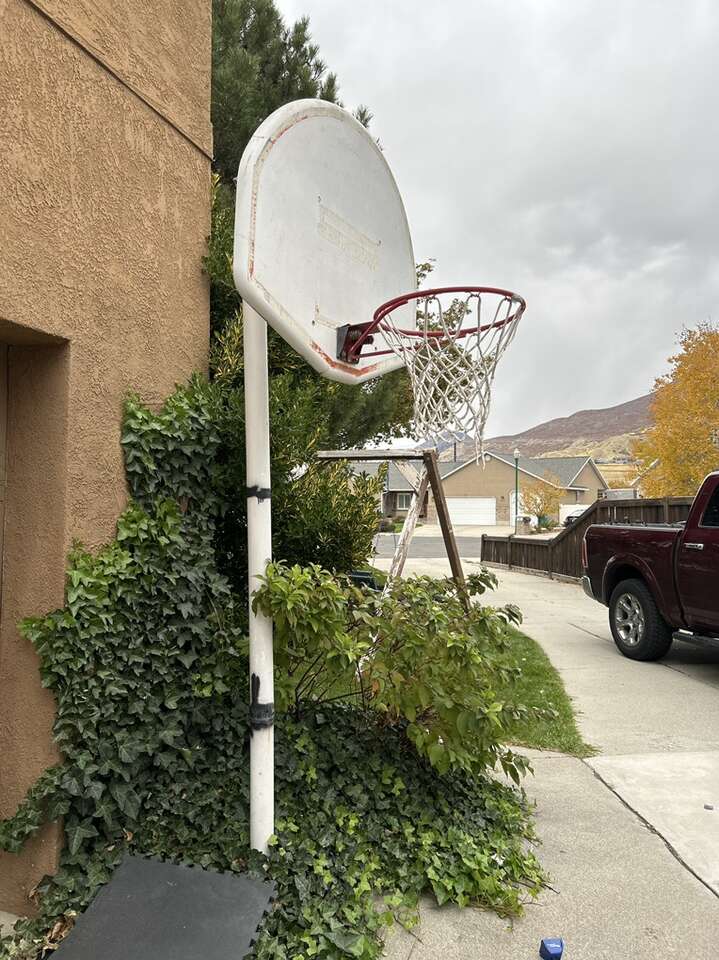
[(427, 548)]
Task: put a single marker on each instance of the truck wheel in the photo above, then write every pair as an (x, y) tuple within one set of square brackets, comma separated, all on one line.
[(639, 630)]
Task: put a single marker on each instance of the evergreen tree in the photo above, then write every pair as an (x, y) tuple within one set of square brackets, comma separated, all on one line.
[(259, 63)]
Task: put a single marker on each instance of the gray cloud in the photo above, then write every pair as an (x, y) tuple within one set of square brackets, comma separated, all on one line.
[(567, 150)]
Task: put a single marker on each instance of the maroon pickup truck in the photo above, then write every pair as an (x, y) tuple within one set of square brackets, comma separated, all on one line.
[(660, 582)]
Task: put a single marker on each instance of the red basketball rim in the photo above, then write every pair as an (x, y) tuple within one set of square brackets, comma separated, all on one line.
[(355, 349)]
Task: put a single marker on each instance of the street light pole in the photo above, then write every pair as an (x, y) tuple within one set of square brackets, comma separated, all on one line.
[(516, 490)]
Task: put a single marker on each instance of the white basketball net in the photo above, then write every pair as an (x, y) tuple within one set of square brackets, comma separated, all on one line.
[(452, 370)]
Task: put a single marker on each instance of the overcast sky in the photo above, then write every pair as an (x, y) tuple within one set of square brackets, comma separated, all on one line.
[(566, 149)]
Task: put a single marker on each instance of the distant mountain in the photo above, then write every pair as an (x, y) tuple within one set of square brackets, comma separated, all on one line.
[(604, 434)]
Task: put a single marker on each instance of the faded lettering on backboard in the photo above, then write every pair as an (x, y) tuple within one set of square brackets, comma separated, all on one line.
[(351, 241)]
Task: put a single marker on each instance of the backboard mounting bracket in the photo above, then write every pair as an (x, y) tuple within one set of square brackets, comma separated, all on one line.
[(348, 334)]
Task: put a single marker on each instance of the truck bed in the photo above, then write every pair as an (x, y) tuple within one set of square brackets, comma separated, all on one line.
[(615, 548)]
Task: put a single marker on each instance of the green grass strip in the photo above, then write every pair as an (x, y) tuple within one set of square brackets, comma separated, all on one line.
[(541, 686)]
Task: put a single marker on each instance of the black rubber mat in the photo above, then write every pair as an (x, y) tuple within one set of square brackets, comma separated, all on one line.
[(152, 910)]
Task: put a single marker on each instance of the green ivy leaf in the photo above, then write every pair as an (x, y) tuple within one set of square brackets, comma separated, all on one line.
[(77, 834)]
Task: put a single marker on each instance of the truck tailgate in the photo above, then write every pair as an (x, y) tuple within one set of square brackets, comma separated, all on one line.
[(616, 551)]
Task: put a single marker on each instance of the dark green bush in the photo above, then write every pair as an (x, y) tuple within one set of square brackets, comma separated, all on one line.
[(320, 513), (142, 644), (363, 827)]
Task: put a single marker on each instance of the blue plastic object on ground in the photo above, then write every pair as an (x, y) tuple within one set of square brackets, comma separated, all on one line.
[(551, 948)]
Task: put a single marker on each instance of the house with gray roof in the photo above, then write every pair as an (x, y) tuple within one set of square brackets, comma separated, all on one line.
[(482, 494), (397, 494)]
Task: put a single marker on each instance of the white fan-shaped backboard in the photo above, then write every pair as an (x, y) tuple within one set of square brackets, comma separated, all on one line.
[(321, 234)]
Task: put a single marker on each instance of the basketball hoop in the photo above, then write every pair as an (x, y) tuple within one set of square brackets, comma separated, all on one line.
[(321, 237), (451, 355)]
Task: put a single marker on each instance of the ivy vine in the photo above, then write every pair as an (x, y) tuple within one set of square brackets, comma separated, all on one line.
[(145, 661)]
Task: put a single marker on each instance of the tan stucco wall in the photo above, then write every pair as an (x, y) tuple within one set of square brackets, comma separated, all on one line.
[(159, 49), (104, 211), (588, 477)]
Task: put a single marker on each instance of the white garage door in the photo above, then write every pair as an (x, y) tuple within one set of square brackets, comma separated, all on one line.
[(472, 511)]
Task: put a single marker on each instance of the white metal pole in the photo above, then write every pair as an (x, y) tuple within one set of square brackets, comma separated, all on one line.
[(259, 553)]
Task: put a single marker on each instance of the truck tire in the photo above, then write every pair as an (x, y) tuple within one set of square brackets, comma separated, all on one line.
[(639, 630)]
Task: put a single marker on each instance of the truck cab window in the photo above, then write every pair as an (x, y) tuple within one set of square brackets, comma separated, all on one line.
[(711, 514)]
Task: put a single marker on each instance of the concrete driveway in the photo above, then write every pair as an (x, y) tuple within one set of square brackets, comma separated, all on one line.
[(630, 837), (463, 530)]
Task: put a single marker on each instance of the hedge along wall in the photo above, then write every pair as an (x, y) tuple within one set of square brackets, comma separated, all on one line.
[(136, 657)]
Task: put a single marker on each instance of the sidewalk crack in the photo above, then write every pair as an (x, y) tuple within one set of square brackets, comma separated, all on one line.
[(652, 829), (597, 636)]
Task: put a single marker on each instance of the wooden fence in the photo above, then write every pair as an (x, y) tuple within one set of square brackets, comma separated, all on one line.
[(562, 555)]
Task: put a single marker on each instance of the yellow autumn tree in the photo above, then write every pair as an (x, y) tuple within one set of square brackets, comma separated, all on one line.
[(682, 445), (542, 499)]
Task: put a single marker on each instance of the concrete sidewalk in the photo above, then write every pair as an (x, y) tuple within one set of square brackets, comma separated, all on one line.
[(627, 837), (619, 892)]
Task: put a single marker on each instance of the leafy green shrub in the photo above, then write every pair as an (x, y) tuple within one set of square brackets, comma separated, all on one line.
[(416, 655), (360, 817), (329, 516), (141, 645)]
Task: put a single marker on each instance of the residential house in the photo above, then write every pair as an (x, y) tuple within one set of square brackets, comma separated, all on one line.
[(482, 494), (397, 494)]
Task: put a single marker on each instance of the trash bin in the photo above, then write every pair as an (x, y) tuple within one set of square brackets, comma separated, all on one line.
[(363, 578), (524, 526)]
